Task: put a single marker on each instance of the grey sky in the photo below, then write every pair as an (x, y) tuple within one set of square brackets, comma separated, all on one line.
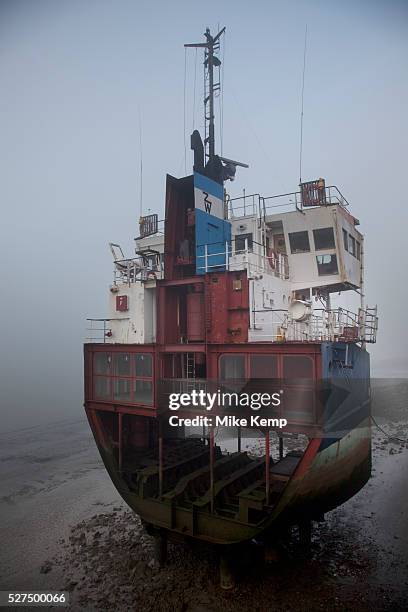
[(74, 78)]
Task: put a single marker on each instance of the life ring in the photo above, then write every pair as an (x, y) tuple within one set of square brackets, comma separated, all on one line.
[(272, 258)]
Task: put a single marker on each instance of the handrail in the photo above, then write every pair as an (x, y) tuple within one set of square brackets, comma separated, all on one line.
[(276, 265), (335, 324), (106, 331), (136, 269), (333, 196), (160, 231), (254, 203)]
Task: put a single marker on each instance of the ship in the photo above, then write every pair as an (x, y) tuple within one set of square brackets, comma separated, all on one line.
[(239, 294)]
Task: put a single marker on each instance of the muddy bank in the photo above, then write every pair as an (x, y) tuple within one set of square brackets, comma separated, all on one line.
[(54, 487), (109, 566), (358, 561)]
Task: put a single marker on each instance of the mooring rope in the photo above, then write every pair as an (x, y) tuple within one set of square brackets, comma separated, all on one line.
[(387, 434)]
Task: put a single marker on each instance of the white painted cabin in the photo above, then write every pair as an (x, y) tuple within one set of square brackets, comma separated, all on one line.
[(295, 258)]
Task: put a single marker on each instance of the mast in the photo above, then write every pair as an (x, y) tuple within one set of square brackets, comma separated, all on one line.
[(211, 45)]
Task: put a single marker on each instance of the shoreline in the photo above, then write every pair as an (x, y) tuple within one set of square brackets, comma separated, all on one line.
[(64, 526)]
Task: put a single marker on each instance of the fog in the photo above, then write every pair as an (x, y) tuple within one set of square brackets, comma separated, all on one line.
[(76, 77)]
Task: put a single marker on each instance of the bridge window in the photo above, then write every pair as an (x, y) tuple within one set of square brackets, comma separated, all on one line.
[(345, 239), (352, 245), (323, 238), (327, 264), (299, 242)]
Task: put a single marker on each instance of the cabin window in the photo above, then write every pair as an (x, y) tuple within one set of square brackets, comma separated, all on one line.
[(121, 364), (323, 238), (142, 388), (121, 389), (101, 363), (143, 365), (358, 245), (327, 264), (102, 382), (123, 377), (345, 239), (102, 388), (232, 367), (297, 366), (352, 245), (143, 391), (240, 242), (299, 242), (263, 366)]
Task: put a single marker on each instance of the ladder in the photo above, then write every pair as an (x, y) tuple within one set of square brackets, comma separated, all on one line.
[(190, 365)]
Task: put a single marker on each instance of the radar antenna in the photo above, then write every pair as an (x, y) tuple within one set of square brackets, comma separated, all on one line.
[(211, 46)]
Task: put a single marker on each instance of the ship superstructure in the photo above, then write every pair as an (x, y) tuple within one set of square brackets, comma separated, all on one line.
[(226, 289), (293, 257)]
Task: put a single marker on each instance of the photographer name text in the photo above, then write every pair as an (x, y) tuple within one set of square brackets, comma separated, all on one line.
[(207, 401), (226, 421)]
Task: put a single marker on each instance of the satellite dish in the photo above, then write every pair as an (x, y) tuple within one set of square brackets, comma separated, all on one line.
[(299, 310)]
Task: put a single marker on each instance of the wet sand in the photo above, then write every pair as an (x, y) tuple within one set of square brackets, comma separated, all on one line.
[(51, 478), (63, 526)]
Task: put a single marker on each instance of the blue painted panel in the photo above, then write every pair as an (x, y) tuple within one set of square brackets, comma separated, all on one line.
[(346, 372), (214, 233), (334, 357), (206, 184)]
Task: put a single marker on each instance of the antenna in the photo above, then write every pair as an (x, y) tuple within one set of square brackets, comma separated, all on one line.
[(301, 111), (210, 60), (141, 164), (184, 111)]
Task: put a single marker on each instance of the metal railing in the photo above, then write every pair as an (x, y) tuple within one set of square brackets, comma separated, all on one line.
[(100, 330), (243, 206), (253, 259), (159, 229), (293, 201), (137, 269), (260, 206), (333, 325)]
